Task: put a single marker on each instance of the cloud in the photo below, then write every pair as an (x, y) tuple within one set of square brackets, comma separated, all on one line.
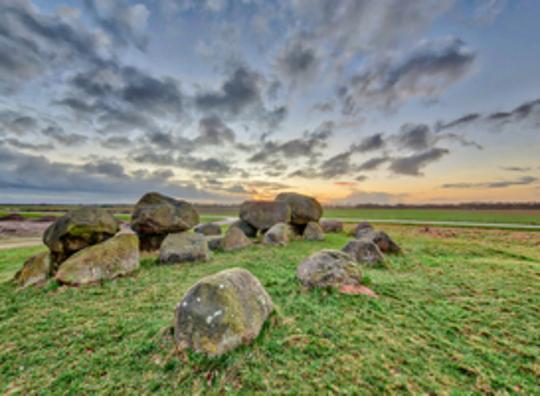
[(57, 134), (516, 168), (522, 181), (464, 120), (413, 164), (369, 197), (298, 61), (17, 123), (27, 146), (424, 72), (418, 137), (213, 132), (372, 163), (370, 143)]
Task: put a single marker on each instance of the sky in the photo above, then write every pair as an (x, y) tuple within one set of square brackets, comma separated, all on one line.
[(219, 101)]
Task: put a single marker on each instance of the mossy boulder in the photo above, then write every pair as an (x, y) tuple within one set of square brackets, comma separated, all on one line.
[(280, 235), (35, 270), (77, 230), (234, 239), (221, 312), (303, 208), (329, 226), (247, 229), (117, 256), (184, 247), (364, 251), (386, 244), (329, 268), (208, 229), (362, 229), (264, 214), (156, 215), (313, 232)]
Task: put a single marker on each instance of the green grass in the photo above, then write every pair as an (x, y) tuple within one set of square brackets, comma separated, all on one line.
[(455, 315)]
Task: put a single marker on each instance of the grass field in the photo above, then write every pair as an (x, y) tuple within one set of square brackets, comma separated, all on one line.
[(457, 314)]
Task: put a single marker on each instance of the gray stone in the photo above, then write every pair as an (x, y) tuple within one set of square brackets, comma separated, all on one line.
[(303, 208), (247, 229), (329, 268), (364, 252), (280, 234), (208, 229), (214, 242), (183, 247), (234, 239), (362, 229), (221, 312), (329, 226), (35, 270), (313, 232), (264, 214)]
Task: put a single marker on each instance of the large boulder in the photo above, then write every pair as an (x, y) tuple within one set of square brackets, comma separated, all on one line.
[(35, 270), (208, 229), (221, 312), (280, 234), (184, 247), (247, 229), (77, 230), (384, 242), (329, 226), (156, 215), (364, 252), (234, 239), (329, 268), (303, 208), (118, 256), (264, 214), (313, 232), (362, 229)]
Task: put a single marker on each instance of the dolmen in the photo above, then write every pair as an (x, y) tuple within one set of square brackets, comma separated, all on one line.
[(84, 247)]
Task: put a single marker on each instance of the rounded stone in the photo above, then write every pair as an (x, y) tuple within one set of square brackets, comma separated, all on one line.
[(303, 208), (264, 214), (329, 268)]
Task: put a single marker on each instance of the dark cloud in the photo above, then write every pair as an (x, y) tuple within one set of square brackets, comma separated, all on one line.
[(522, 181), (116, 142), (298, 61), (413, 164), (324, 107), (516, 168), (425, 72), (57, 134), (419, 137), (28, 146), (370, 143), (464, 120), (372, 163), (17, 123)]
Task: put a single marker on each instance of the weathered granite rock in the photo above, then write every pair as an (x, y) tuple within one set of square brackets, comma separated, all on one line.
[(234, 239), (264, 214), (313, 232), (183, 247), (303, 208), (77, 230), (247, 229), (208, 229), (117, 256), (329, 226), (364, 252), (156, 215), (384, 242), (280, 234), (362, 229), (329, 268), (214, 242), (221, 312), (35, 270)]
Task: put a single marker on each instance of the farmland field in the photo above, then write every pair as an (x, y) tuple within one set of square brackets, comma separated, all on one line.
[(457, 312)]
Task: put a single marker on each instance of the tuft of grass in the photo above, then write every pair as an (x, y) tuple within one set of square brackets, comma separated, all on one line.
[(455, 315)]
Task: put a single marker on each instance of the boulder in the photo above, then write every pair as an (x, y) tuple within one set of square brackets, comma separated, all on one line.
[(303, 208), (313, 232), (35, 270), (183, 247), (247, 229), (214, 242), (329, 268), (364, 251), (329, 226), (280, 234), (234, 239), (208, 229), (117, 256), (77, 230), (221, 312), (264, 214), (384, 242), (362, 229), (156, 215)]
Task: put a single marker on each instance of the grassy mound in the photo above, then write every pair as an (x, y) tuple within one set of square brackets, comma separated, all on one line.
[(458, 311)]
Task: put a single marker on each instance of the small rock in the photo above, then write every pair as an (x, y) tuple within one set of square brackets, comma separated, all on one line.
[(303, 208), (221, 312), (208, 229), (280, 234), (77, 230), (264, 214), (331, 226), (117, 256), (214, 242), (362, 229), (313, 232), (234, 239), (329, 268), (247, 229), (364, 252), (383, 241), (35, 270), (182, 247)]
